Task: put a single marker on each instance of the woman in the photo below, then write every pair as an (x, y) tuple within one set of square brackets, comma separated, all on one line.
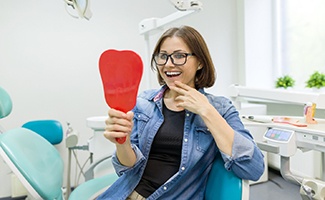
[(174, 133)]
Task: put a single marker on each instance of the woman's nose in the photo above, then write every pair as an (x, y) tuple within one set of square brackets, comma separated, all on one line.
[(169, 61)]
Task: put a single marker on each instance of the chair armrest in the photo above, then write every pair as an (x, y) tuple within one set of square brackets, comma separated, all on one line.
[(245, 190), (89, 174), (91, 189)]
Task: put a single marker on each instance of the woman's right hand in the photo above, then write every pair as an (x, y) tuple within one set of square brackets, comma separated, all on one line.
[(118, 125)]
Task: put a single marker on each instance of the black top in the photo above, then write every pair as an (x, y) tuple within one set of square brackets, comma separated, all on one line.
[(165, 155)]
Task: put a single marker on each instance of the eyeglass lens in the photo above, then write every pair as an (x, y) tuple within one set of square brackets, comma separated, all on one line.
[(176, 58)]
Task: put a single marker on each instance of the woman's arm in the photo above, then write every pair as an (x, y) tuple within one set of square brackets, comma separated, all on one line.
[(223, 134), (120, 124), (233, 140)]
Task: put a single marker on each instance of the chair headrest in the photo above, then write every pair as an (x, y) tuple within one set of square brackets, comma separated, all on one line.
[(51, 130), (5, 103)]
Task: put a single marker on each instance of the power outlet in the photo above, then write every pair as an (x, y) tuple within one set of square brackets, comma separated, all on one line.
[(17, 188)]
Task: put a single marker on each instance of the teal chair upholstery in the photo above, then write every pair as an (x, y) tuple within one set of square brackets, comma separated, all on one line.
[(35, 161), (5, 103), (51, 130), (225, 185)]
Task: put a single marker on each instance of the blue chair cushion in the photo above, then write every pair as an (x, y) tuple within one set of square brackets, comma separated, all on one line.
[(36, 159), (51, 130), (222, 184)]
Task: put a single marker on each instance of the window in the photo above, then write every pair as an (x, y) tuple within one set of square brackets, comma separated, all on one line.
[(301, 40)]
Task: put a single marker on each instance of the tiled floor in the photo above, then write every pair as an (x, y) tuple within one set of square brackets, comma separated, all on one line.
[(276, 188)]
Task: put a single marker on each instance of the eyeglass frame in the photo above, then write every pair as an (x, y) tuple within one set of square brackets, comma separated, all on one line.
[(171, 58)]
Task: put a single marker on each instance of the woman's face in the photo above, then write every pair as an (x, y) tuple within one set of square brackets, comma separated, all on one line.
[(184, 73)]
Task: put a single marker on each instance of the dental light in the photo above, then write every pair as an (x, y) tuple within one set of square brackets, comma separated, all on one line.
[(78, 8), (184, 7)]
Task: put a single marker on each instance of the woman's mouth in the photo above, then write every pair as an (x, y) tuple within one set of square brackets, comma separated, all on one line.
[(172, 74)]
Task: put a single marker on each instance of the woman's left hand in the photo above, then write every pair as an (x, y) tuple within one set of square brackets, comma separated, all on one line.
[(190, 99)]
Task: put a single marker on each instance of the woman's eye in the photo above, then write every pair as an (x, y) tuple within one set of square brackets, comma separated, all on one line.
[(179, 55), (163, 56)]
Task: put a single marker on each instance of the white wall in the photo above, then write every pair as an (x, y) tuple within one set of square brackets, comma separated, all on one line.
[(255, 43), (49, 60)]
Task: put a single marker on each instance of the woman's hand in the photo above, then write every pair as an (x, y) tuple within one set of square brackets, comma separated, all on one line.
[(190, 99), (118, 125)]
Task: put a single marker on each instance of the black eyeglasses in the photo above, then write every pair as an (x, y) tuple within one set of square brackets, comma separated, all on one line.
[(177, 58)]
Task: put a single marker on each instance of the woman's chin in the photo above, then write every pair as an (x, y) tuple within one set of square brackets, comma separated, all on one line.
[(170, 84)]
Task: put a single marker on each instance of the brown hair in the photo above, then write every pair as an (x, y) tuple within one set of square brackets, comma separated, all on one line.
[(205, 77)]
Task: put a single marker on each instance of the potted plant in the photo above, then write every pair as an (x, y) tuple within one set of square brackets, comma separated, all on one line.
[(285, 82), (316, 80)]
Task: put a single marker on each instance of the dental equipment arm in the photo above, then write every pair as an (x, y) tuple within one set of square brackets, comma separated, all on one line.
[(184, 8), (80, 6)]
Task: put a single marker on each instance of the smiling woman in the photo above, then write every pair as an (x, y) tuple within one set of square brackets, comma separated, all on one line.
[(177, 126), (179, 69), (191, 44)]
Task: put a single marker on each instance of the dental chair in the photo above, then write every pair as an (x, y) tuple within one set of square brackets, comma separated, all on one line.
[(221, 185), (22, 158), (35, 162), (39, 166)]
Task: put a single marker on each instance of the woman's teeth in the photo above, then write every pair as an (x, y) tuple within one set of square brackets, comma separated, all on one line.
[(171, 74)]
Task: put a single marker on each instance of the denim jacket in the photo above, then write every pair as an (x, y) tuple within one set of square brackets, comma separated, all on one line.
[(198, 151)]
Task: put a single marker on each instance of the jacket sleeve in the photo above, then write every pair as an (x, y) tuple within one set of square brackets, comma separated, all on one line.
[(246, 160), (120, 169)]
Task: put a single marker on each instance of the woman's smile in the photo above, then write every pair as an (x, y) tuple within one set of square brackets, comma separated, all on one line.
[(171, 74)]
